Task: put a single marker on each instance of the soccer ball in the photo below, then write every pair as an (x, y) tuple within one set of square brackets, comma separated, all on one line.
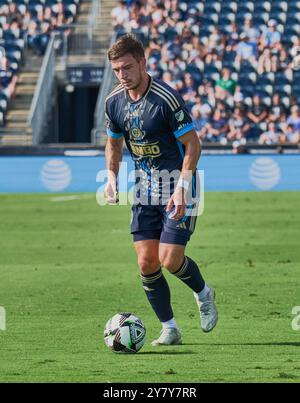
[(124, 333)]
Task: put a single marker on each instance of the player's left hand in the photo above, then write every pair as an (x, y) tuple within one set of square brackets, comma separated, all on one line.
[(177, 200)]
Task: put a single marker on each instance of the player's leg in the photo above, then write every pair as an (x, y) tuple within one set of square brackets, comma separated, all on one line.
[(174, 238), (156, 286)]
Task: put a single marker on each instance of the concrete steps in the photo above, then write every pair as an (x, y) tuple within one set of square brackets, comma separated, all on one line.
[(16, 131)]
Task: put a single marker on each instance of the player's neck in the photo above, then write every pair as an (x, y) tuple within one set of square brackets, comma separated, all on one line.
[(141, 90)]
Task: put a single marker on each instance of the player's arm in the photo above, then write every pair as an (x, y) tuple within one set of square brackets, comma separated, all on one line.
[(113, 157), (193, 150), (113, 152)]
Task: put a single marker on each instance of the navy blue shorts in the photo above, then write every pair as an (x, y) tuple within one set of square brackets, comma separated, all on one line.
[(153, 222)]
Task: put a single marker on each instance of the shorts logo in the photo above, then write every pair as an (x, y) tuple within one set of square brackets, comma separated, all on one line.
[(146, 150), (181, 225), (179, 116)]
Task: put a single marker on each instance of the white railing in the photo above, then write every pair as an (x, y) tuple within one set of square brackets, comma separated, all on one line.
[(43, 95), (99, 116)]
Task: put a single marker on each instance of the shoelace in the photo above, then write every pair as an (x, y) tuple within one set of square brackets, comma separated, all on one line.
[(205, 308)]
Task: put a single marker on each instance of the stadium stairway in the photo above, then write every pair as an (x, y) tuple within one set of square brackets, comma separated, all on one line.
[(82, 53), (16, 132)]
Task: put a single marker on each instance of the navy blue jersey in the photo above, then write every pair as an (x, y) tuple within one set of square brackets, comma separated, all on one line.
[(151, 126)]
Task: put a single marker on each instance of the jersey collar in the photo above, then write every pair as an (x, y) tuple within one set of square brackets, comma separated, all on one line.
[(144, 95)]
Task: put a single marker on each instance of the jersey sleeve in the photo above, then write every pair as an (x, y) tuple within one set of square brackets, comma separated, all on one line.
[(178, 117), (112, 129)]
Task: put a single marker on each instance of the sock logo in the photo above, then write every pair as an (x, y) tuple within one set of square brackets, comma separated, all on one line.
[(296, 320), (2, 318), (147, 288)]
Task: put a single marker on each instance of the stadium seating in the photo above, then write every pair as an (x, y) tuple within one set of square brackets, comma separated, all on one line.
[(24, 25), (208, 15)]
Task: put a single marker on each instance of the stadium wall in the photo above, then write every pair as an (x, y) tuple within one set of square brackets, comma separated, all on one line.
[(56, 174)]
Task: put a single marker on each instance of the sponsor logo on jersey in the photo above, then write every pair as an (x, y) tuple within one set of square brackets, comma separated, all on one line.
[(146, 150)]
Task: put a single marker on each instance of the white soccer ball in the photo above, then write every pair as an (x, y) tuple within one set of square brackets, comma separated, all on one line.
[(124, 333)]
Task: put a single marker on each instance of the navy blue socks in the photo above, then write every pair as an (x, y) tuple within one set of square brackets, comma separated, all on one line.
[(190, 274), (158, 294)]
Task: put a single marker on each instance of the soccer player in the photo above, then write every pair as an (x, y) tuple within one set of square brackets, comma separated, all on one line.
[(159, 134)]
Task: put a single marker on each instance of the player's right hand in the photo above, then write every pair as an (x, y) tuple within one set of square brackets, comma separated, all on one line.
[(111, 193)]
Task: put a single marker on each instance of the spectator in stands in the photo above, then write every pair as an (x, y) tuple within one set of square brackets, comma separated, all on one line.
[(63, 15), (15, 29), (41, 40), (120, 16), (168, 77), (271, 136), (190, 89), (8, 80), (257, 114), (290, 135), (215, 46), (273, 59), (238, 100), (31, 34), (203, 108), (245, 50), (238, 126), (294, 118), (270, 37), (217, 127), (232, 37), (207, 93), (265, 62), (196, 51), (200, 123), (251, 32), (225, 86), (153, 68), (277, 109), (14, 14), (295, 54)]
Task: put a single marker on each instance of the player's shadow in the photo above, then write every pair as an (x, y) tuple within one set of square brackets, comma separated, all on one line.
[(281, 343)]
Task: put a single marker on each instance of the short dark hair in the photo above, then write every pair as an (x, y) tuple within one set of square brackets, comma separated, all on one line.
[(128, 43)]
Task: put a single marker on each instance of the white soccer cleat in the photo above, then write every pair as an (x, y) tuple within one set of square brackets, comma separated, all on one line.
[(168, 337), (208, 311)]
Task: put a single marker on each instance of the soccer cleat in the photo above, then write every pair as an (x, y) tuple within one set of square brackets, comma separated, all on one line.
[(208, 311), (168, 337)]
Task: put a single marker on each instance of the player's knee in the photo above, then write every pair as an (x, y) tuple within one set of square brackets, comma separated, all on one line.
[(148, 266), (170, 263)]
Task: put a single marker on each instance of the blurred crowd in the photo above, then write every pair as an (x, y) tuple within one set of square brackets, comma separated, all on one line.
[(27, 24), (236, 77)]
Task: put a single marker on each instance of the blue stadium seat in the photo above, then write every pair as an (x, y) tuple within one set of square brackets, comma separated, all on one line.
[(247, 68), (260, 18), (263, 7), (211, 8), (278, 16), (245, 7)]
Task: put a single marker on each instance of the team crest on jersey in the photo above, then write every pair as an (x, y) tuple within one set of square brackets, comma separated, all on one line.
[(136, 133), (179, 116)]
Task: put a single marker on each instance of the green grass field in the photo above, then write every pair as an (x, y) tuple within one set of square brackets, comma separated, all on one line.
[(66, 267)]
